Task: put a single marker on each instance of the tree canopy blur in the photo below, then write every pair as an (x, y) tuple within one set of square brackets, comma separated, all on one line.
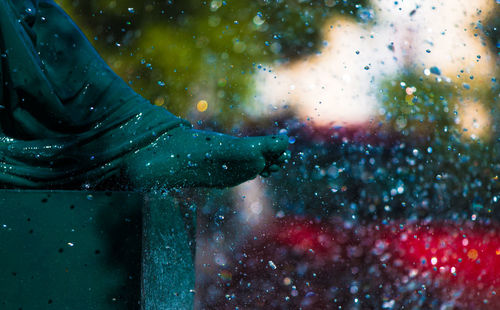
[(177, 53)]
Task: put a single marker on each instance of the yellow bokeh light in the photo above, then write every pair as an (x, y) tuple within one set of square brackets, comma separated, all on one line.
[(472, 254), (159, 101), (202, 106)]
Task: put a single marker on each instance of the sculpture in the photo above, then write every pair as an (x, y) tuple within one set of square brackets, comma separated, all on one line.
[(68, 121)]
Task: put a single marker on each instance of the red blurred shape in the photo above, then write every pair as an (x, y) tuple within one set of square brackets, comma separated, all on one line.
[(465, 254)]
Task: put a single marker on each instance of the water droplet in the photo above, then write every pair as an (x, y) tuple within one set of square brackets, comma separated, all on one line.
[(435, 70), (388, 304), (366, 15), (272, 265)]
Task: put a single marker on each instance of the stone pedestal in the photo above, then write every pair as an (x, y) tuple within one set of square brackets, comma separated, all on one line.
[(93, 250)]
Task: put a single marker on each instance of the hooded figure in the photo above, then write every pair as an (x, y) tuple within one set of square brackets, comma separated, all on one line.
[(65, 117)]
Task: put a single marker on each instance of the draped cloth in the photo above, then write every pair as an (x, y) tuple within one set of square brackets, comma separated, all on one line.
[(65, 117)]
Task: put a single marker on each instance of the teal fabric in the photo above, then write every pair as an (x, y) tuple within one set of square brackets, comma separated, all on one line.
[(66, 119)]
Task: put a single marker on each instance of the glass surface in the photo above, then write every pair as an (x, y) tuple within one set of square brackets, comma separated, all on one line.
[(391, 197)]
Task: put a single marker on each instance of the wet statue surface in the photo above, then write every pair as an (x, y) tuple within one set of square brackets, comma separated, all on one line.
[(68, 121)]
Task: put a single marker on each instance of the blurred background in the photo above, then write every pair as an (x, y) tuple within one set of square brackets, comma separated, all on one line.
[(391, 197)]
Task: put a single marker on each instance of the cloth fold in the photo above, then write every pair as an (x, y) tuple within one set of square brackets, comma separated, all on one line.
[(66, 118)]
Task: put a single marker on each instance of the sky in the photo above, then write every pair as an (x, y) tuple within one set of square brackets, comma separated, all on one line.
[(339, 85)]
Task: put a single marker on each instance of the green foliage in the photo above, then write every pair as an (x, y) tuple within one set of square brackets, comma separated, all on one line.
[(414, 104), (176, 53)]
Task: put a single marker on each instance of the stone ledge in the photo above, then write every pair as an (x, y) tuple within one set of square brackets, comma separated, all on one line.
[(93, 250)]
